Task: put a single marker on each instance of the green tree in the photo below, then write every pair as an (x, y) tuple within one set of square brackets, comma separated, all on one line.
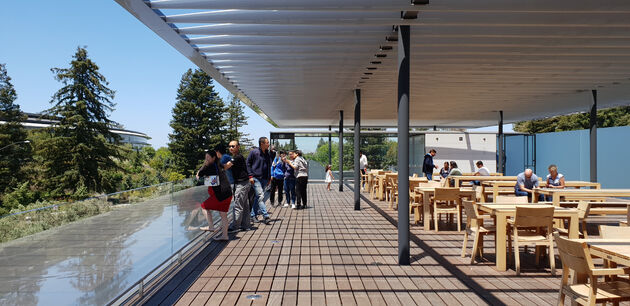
[(616, 116), (198, 121), (235, 118), (12, 156), (80, 146)]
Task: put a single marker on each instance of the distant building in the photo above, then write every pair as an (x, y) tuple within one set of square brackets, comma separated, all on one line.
[(39, 121)]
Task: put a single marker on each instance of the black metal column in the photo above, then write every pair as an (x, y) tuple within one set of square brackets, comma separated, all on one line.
[(593, 139), (340, 150), (330, 145), (403, 144), (501, 149), (357, 146)]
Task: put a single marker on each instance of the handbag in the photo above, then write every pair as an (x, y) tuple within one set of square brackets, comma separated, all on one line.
[(224, 190)]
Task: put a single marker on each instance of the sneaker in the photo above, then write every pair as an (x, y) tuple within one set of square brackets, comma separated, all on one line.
[(285, 205), (293, 206), (266, 221)]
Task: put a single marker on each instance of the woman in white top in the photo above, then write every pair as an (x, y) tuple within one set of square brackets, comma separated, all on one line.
[(554, 179), (301, 172), (329, 176)]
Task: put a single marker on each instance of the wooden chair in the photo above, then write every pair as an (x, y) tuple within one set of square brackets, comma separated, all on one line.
[(415, 206), (446, 201), (583, 211), (511, 200), (474, 225), (577, 257), (532, 226), (415, 175), (393, 192)]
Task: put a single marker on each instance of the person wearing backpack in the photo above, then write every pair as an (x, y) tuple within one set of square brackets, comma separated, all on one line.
[(278, 169)]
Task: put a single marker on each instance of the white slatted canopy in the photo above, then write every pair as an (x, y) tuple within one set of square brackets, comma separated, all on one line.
[(297, 62)]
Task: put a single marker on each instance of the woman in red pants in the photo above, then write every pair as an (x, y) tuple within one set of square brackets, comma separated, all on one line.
[(218, 200)]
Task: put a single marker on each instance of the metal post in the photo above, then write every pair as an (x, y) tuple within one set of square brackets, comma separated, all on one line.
[(330, 145), (403, 144), (593, 139), (357, 146), (340, 150), (501, 150)]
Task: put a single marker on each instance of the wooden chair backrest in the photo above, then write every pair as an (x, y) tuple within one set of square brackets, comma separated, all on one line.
[(471, 209), (413, 185), (614, 232), (583, 209), (415, 175), (446, 194), (511, 200), (393, 181), (574, 255), (534, 216)]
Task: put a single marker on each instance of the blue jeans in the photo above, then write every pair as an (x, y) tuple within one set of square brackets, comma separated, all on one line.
[(429, 176), (260, 198), (289, 189), (520, 193)]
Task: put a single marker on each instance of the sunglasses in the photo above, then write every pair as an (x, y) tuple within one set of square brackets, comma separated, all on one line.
[(232, 146)]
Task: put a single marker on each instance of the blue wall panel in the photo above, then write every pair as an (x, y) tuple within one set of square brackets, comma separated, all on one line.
[(514, 154), (566, 150), (613, 157)]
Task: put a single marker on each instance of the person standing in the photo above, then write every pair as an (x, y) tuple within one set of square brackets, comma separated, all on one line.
[(300, 166), (363, 164), (219, 198), (241, 188), (427, 164), (224, 160), (259, 169), (289, 180), (329, 176), (278, 168)]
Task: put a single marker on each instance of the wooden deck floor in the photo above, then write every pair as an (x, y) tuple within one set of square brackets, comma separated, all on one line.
[(330, 254)]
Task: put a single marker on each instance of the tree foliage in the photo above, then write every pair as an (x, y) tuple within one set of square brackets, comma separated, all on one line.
[(198, 121), (617, 116), (80, 146), (235, 120), (13, 152)]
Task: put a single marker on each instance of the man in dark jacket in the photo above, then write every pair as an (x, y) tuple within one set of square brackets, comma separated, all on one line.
[(241, 188), (259, 169), (427, 165)]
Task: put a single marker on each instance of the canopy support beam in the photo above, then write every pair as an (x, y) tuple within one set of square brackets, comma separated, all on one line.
[(357, 145), (403, 144), (593, 139), (340, 150), (501, 162)]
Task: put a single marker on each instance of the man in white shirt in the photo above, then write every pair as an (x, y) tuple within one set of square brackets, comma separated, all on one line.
[(363, 163), (481, 170)]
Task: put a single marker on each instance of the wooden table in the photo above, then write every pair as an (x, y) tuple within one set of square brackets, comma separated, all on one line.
[(615, 250), (578, 194), (427, 193), (496, 186), (470, 178), (502, 212)]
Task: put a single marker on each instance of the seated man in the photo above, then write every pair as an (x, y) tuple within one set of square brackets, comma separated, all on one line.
[(481, 171), (525, 183)]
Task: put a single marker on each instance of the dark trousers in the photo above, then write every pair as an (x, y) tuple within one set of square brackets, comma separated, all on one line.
[(276, 184), (300, 190)]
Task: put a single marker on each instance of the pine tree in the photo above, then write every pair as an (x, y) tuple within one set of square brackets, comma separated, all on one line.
[(13, 152), (236, 119), (198, 121), (81, 145)]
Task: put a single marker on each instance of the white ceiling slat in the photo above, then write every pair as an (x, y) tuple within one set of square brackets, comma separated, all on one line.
[(529, 58)]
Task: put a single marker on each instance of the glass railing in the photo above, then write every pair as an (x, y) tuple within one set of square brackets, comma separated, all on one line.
[(97, 259)]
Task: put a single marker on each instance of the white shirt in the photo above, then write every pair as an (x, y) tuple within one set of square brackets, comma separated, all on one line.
[(363, 161), (483, 171)]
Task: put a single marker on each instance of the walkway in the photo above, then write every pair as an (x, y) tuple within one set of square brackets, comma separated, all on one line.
[(328, 254)]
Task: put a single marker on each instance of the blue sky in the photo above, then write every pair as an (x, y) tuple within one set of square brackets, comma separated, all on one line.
[(143, 69)]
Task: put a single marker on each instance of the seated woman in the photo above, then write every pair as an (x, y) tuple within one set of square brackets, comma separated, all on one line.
[(445, 170), (554, 179), (454, 172)]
